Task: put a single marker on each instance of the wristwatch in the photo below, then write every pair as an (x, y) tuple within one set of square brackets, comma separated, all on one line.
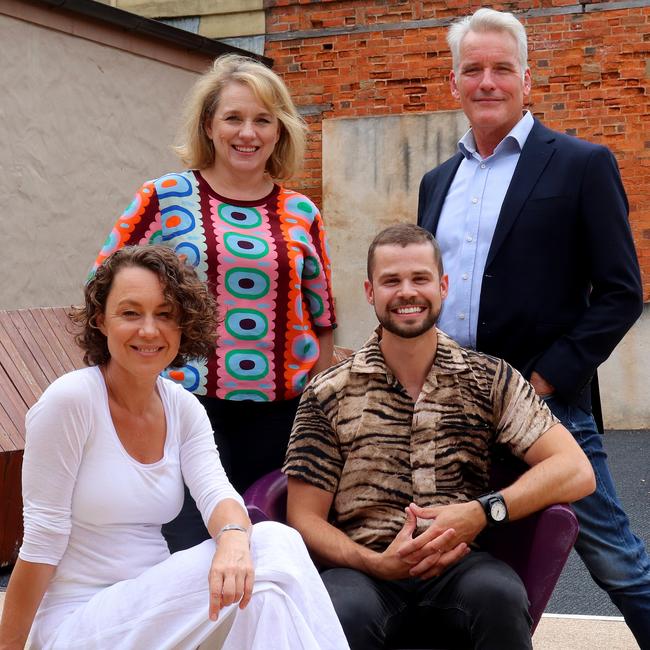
[(495, 508)]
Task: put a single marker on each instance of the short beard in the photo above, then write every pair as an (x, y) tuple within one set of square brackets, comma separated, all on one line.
[(407, 332)]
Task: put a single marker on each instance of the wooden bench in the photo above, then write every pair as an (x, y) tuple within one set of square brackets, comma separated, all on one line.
[(36, 347)]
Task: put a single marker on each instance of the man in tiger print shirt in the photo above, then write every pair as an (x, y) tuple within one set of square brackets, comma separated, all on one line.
[(388, 465)]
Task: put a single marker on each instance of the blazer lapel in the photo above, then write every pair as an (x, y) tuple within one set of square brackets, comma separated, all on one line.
[(446, 176), (534, 157)]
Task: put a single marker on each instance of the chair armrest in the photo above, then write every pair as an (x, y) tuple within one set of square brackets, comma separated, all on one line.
[(256, 515), (267, 497), (537, 548)]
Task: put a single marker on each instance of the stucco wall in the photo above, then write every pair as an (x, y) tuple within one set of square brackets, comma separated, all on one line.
[(81, 125), (372, 168)]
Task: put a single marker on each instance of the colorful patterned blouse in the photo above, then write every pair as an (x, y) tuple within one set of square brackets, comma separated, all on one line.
[(268, 266)]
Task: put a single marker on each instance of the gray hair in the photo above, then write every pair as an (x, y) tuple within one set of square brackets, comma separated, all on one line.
[(488, 20)]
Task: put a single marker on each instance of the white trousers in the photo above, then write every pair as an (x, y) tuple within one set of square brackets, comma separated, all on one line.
[(166, 607)]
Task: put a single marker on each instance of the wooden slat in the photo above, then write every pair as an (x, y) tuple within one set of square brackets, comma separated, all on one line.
[(30, 344), (9, 433), (53, 340), (64, 329), (18, 372), (340, 354), (10, 398), (13, 415), (16, 346), (29, 330), (15, 412)]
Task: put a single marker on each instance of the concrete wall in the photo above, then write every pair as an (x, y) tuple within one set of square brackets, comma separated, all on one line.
[(372, 167), (82, 124), (625, 377)]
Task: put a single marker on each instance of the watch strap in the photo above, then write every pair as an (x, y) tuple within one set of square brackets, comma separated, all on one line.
[(486, 501)]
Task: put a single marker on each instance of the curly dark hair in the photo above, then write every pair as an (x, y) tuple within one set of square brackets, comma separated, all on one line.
[(190, 298)]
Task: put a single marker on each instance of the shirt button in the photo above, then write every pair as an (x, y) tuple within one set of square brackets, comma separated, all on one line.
[(474, 200), (461, 316), (469, 238), (465, 276), (482, 165)]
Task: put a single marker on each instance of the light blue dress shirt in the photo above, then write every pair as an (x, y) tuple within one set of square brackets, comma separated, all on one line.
[(467, 222)]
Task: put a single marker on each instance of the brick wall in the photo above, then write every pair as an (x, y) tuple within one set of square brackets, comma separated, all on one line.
[(590, 64)]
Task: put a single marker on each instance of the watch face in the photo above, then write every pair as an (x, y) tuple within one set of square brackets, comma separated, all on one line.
[(497, 511)]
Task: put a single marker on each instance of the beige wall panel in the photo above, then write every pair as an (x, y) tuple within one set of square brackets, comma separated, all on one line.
[(171, 8), (81, 126), (371, 174), (625, 377), (227, 25)]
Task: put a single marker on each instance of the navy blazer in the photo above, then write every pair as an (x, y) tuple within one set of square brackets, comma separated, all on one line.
[(561, 284)]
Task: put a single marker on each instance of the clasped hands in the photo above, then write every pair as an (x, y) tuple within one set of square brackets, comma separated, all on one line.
[(443, 543), (232, 573)]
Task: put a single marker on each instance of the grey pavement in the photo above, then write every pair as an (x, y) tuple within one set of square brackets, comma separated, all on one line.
[(629, 461)]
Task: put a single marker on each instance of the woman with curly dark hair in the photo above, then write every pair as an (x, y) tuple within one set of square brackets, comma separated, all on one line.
[(107, 451)]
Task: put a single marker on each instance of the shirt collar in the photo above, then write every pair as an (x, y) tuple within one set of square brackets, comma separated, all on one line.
[(516, 138), (449, 358)]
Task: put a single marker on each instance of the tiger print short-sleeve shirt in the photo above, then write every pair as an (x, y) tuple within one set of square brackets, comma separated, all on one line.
[(359, 435)]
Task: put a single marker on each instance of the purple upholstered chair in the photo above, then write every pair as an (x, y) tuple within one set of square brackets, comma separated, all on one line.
[(536, 547)]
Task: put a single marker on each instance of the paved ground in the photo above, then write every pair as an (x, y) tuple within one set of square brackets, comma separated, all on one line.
[(576, 633), (629, 461)]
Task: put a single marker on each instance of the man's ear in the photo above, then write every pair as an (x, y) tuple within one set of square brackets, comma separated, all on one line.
[(444, 286), (453, 85), (367, 287), (528, 82)]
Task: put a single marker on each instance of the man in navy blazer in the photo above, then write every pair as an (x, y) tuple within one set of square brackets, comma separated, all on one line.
[(533, 227)]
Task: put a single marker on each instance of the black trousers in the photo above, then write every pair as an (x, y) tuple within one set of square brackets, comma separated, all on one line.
[(478, 603), (252, 439)]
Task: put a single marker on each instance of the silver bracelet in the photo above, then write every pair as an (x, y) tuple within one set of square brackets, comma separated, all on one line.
[(228, 527)]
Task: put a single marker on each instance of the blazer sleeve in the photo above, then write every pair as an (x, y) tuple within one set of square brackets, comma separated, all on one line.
[(616, 298)]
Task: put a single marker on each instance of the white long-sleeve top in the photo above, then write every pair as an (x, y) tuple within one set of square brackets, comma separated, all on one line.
[(89, 507)]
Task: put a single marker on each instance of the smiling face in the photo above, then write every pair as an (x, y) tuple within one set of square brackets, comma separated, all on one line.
[(406, 289), (490, 85), (243, 131), (141, 327)]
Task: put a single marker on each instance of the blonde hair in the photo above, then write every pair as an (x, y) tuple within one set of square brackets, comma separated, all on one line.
[(194, 146)]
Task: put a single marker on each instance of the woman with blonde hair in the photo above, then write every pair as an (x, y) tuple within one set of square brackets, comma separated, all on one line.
[(260, 247)]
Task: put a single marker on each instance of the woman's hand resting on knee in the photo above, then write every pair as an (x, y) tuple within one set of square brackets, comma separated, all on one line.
[(231, 574)]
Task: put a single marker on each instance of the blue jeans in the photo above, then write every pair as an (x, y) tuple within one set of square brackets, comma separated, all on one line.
[(613, 554)]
